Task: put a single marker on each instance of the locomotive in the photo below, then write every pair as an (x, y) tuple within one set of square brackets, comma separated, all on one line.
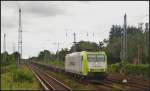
[(91, 65)]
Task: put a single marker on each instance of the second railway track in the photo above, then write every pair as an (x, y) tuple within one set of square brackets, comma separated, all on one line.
[(47, 81)]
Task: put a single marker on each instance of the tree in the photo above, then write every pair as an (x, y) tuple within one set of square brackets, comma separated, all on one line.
[(9, 58), (135, 43), (45, 55), (62, 53), (85, 46)]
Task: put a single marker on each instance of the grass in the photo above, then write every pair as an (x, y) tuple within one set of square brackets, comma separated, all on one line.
[(55, 62), (22, 79), (7, 68), (116, 88)]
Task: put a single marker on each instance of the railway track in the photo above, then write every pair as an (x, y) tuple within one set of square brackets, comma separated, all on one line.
[(110, 82), (99, 86), (48, 82)]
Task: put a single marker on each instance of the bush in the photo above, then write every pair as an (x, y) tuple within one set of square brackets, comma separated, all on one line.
[(20, 75), (140, 69), (114, 67), (8, 68), (130, 69)]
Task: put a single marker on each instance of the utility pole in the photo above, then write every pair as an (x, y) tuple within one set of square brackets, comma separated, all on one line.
[(4, 42), (121, 53), (58, 44), (93, 36), (138, 53), (87, 36), (19, 40), (125, 40), (58, 51), (74, 41), (13, 49), (66, 35), (140, 26)]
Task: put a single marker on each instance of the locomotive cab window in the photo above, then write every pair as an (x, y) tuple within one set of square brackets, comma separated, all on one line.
[(94, 58), (91, 58), (100, 58)]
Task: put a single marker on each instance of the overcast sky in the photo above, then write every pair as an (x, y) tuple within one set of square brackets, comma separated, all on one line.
[(46, 22)]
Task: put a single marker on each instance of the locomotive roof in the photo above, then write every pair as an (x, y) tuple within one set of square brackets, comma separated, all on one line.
[(79, 53)]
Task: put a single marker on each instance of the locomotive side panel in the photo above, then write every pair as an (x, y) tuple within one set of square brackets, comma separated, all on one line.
[(73, 63)]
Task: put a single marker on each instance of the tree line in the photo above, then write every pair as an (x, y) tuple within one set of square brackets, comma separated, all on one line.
[(137, 47)]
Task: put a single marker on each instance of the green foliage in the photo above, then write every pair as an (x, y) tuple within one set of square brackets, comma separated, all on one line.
[(114, 67), (8, 68), (116, 31), (85, 46), (57, 63), (13, 79), (136, 41), (45, 56), (62, 53), (130, 69), (7, 59), (21, 75), (140, 69)]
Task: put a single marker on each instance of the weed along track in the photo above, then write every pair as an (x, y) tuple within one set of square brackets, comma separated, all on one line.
[(47, 81)]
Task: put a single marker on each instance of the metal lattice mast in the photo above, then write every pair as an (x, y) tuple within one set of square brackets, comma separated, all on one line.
[(20, 38), (4, 48), (93, 36)]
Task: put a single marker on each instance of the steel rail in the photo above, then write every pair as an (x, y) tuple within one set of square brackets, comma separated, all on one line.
[(50, 79)]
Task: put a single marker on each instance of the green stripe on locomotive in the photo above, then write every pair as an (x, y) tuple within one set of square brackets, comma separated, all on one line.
[(85, 62)]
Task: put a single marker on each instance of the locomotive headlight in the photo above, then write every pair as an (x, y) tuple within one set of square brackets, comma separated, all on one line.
[(96, 62)]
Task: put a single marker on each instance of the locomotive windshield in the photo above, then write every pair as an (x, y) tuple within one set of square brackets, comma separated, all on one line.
[(94, 58), (100, 58), (91, 57)]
